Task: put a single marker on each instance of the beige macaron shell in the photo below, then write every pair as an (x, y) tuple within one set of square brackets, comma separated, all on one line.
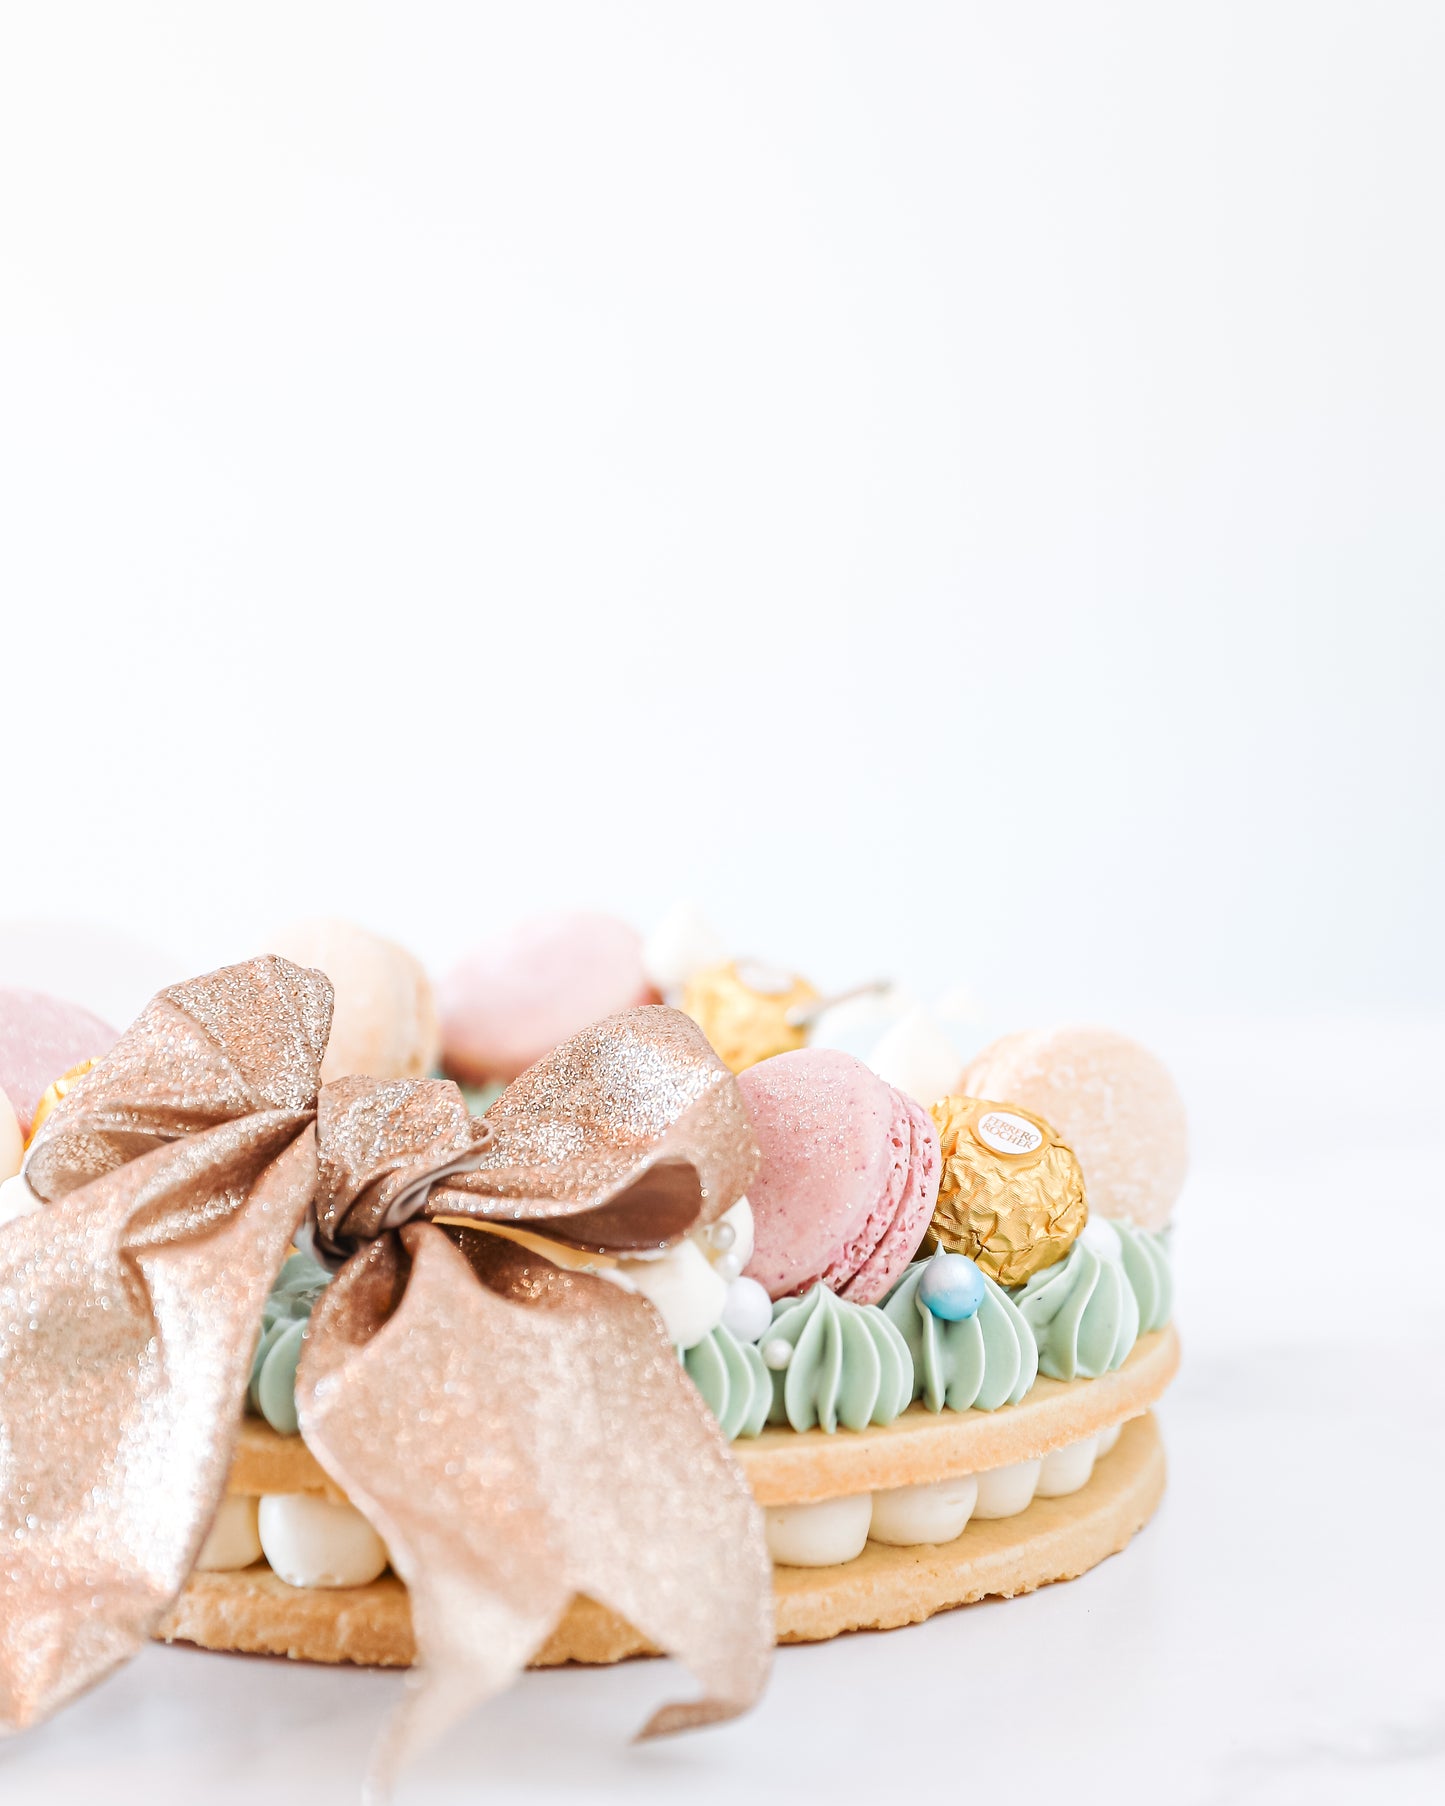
[(385, 1022), (1110, 1099)]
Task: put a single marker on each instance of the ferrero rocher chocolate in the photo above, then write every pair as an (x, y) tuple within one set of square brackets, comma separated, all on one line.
[(52, 1095), (1012, 1193), (744, 1010)]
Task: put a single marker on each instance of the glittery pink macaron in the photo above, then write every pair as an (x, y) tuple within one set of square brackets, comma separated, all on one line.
[(849, 1175), (42, 1037), (513, 1000)]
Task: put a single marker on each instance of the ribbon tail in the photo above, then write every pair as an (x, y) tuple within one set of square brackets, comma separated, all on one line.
[(128, 1316), (519, 1434)]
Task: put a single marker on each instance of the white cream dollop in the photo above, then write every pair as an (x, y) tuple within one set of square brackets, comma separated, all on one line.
[(1003, 1492), (312, 1542), (234, 1540), (932, 1513), (821, 1535), (1067, 1469)]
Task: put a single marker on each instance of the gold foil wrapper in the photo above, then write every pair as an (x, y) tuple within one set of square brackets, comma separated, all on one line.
[(1012, 1193), (52, 1095), (744, 1009)]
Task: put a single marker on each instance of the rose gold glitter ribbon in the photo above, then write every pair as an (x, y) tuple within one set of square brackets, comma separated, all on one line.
[(516, 1432)]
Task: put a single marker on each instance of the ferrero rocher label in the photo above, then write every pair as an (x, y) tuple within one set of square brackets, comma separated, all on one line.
[(1012, 1192), (744, 1009), (52, 1095)]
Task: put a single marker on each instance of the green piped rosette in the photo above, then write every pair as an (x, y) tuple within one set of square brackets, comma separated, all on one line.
[(980, 1363), (849, 1365), (272, 1393), (1084, 1312), (1150, 1275), (735, 1385)]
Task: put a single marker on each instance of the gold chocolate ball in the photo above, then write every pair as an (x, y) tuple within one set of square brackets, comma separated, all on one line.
[(1012, 1193), (52, 1095), (743, 1010)]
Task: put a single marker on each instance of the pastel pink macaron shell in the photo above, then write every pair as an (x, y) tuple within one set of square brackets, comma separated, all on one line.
[(842, 1194), (42, 1037), (891, 1236), (511, 1002)]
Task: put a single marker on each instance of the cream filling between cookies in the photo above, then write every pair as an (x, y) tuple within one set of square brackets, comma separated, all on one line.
[(835, 1531), (313, 1542)]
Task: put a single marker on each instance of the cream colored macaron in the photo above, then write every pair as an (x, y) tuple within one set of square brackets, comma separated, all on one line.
[(385, 1022), (1110, 1099)]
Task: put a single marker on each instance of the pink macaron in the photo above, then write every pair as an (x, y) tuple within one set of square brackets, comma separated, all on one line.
[(849, 1175), (40, 1038), (509, 1003)]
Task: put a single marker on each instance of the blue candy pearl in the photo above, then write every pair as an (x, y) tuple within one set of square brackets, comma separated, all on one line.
[(951, 1287)]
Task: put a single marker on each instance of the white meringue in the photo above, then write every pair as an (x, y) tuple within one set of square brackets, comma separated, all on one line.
[(682, 943), (917, 1057)]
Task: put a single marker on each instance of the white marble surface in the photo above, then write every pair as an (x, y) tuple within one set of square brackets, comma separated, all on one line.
[(1275, 1636)]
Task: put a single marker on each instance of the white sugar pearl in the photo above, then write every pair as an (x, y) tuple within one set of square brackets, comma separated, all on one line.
[(728, 1267), (739, 1218), (776, 1353), (311, 1542), (722, 1235), (748, 1312), (234, 1541)]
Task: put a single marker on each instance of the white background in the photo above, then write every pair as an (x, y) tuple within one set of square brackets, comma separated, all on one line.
[(956, 489)]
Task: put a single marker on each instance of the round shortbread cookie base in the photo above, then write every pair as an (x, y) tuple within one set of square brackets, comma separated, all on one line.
[(254, 1612)]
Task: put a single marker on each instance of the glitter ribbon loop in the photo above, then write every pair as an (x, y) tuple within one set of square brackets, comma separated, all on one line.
[(516, 1432)]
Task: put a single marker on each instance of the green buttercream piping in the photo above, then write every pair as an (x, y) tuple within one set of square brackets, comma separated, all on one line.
[(734, 1384), (1083, 1312), (849, 1364), (1147, 1265), (988, 1360), (272, 1393)]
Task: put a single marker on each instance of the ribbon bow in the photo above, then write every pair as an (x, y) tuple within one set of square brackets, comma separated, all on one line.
[(517, 1432)]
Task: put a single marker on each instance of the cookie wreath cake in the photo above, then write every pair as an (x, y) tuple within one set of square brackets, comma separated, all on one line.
[(933, 1369)]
